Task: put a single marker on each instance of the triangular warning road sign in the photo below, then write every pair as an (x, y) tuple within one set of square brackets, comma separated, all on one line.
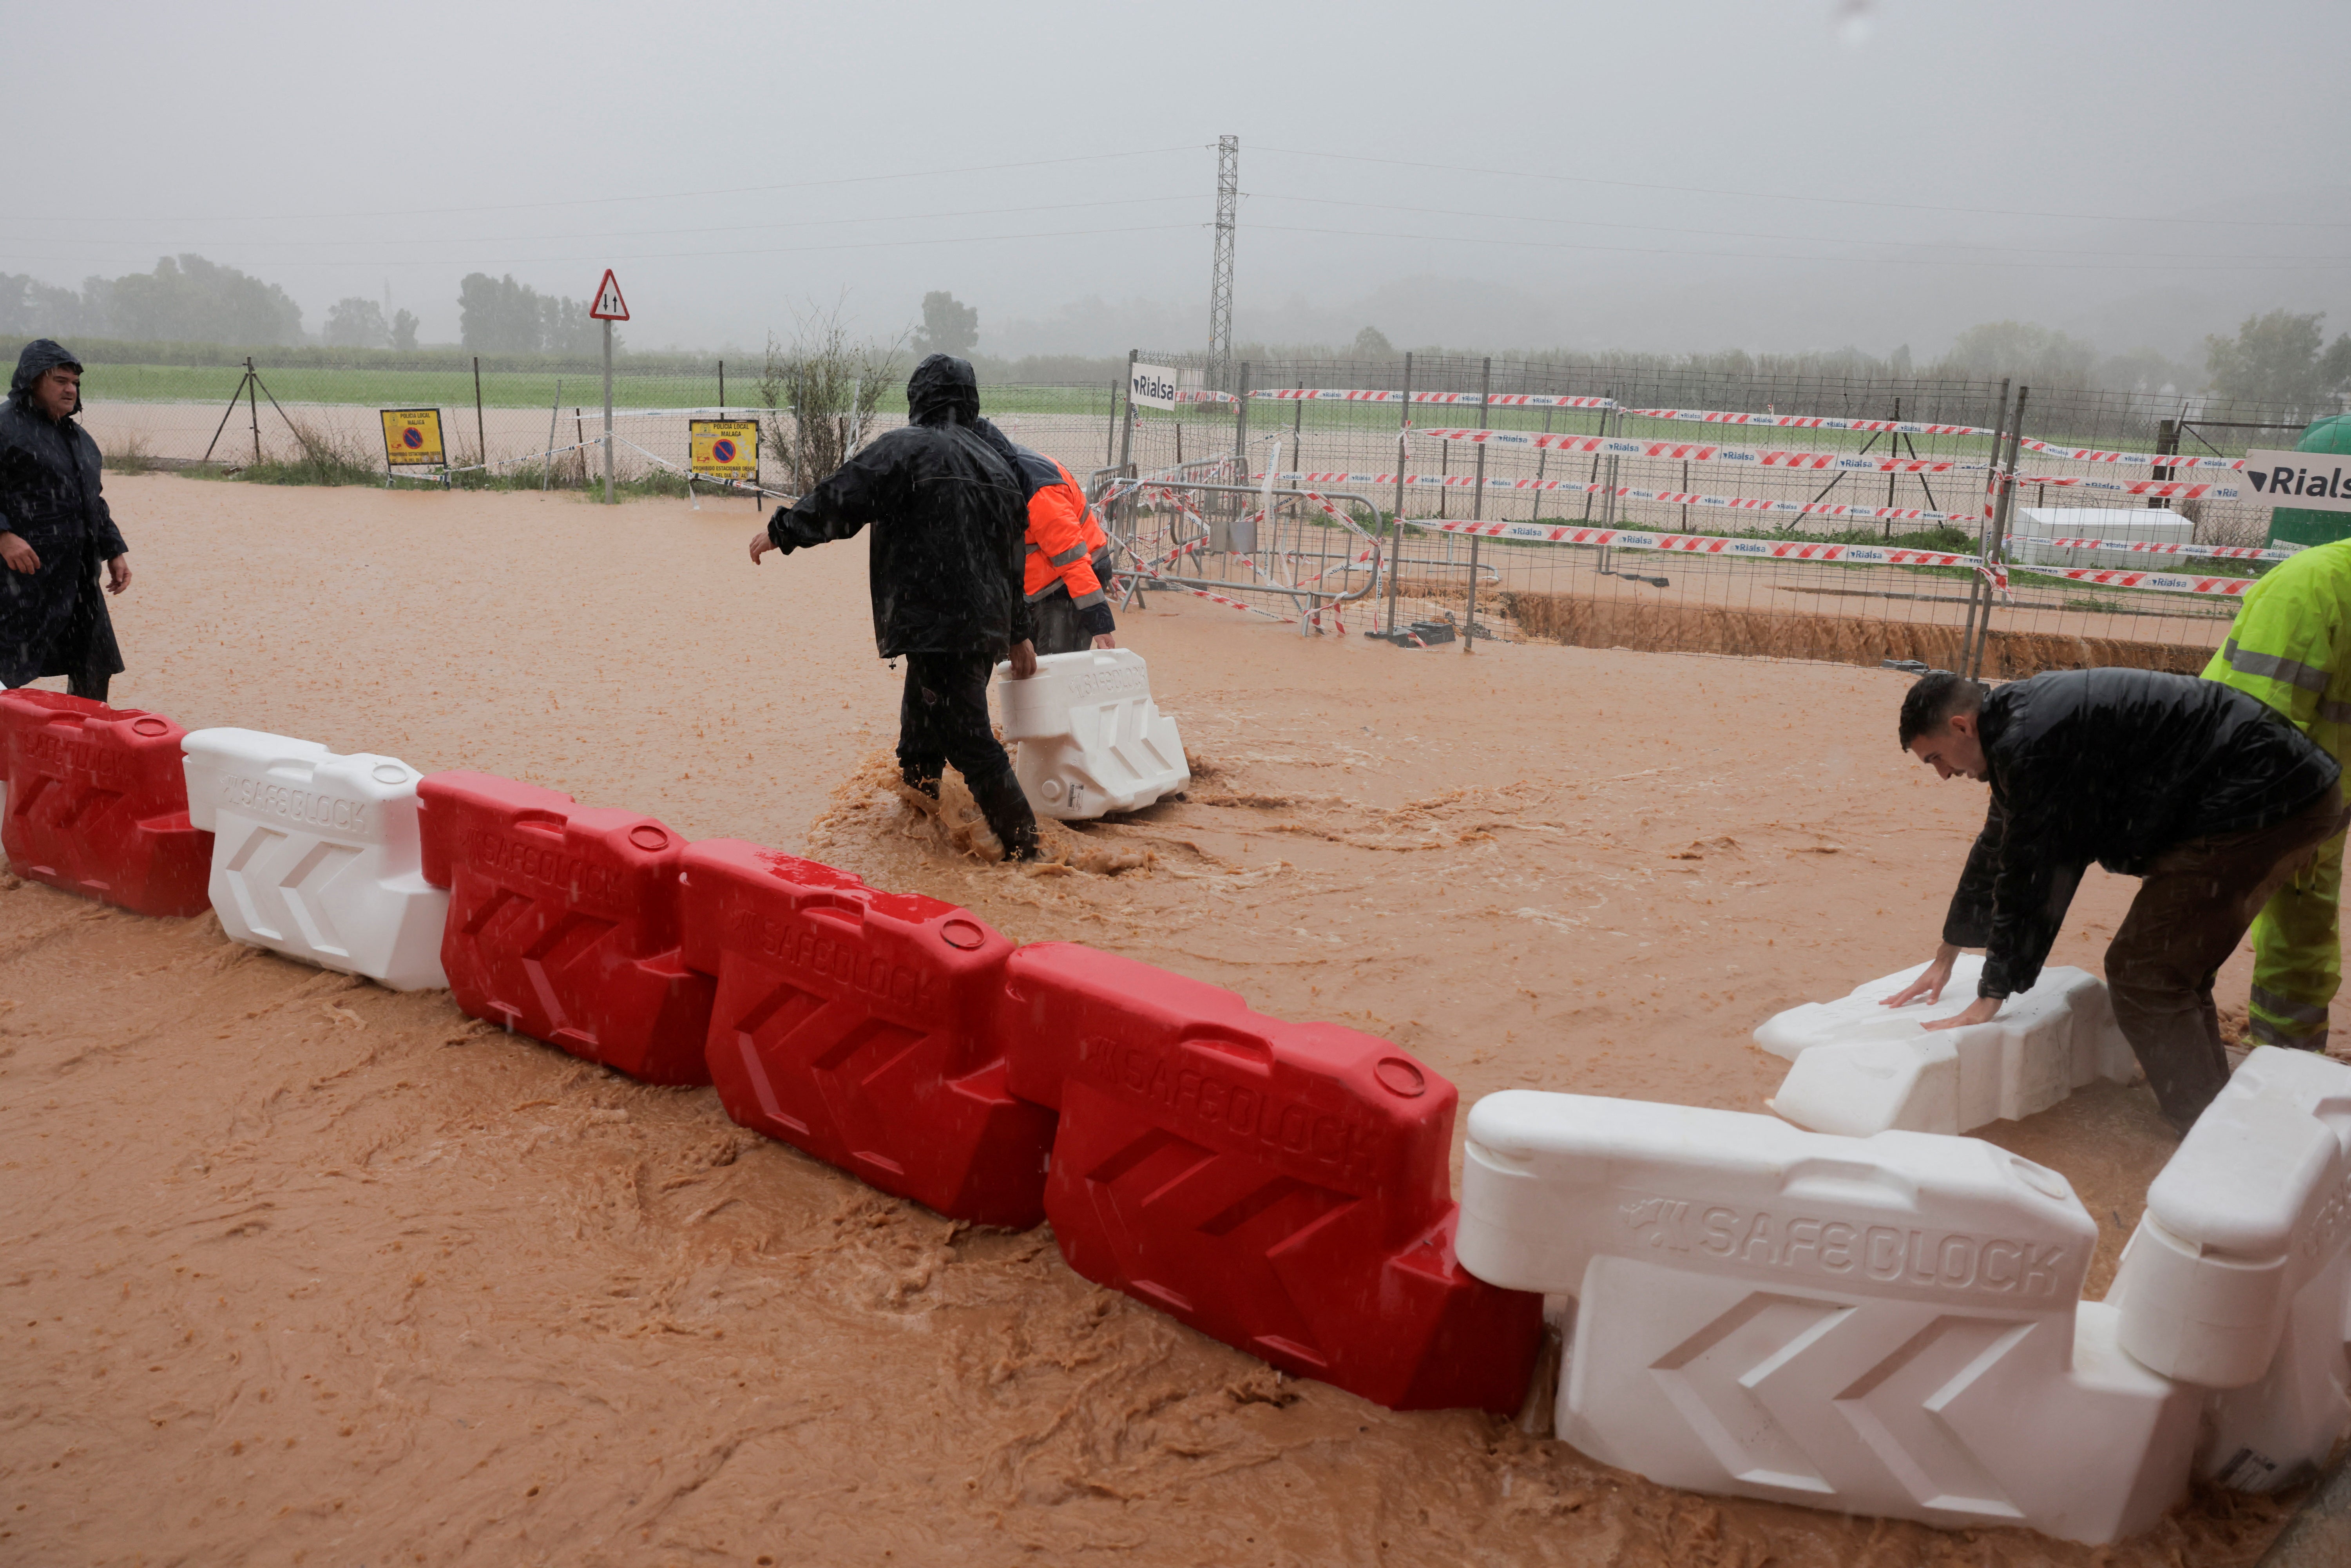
[(609, 305)]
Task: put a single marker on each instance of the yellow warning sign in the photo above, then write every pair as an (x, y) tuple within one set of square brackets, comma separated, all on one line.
[(723, 448), (411, 438)]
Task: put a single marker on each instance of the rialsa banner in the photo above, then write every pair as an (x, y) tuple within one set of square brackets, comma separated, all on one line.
[(1155, 386), (723, 448), (411, 438), (2320, 481)]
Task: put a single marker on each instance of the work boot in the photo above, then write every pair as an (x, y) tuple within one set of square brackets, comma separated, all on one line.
[(1001, 801)]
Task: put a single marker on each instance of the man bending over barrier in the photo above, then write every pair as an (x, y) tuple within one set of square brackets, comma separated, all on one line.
[(948, 517), (2208, 796)]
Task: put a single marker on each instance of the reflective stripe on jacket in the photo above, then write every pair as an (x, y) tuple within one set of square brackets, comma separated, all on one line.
[(1064, 541), (2291, 644)]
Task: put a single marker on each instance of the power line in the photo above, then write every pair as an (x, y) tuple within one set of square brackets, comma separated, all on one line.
[(1739, 234), (1490, 241), (671, 229), (1785, 195), (608, 258), (662, 195)]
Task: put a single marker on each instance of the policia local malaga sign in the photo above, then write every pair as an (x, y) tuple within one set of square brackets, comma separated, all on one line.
[(2319, 481)]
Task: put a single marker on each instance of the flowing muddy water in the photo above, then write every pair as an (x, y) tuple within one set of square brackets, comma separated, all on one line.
[(301, 1271)]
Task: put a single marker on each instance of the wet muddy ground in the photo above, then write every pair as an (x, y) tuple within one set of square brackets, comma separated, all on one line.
[(301, 1271)]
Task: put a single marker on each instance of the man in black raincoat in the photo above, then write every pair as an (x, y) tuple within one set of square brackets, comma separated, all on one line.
[(2200, 790), (949, 517), (55, 533)]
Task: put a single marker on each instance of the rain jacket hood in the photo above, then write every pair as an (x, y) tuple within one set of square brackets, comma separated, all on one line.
[(41, 356), (943, 390), (2111, 767)]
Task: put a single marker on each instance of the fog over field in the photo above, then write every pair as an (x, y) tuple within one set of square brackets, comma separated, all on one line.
[(1694, 177)]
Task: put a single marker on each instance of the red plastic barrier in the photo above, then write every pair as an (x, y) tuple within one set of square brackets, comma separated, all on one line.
[(1282, 1187), (563, 922), (858, 1025), (97, 803)]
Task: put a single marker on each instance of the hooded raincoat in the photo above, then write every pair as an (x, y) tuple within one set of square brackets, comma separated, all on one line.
[(53, 621), (948, 515)]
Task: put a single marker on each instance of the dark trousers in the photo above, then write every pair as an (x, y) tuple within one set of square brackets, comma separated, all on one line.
[(2194, 905), (942, 722)]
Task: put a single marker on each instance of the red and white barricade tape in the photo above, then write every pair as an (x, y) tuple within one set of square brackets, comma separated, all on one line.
[(1703, 452), (2217, 552), (2145, 459), (1361, 395), (2160, 582), (1804, 422), (1636, 493), (2167, 489)]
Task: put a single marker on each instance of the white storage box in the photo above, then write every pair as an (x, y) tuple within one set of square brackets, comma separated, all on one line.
[(1887, 1325), (1091, 741), (2031, 528), (314, 855), (1863, 1068)]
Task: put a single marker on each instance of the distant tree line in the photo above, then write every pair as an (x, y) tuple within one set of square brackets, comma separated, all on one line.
[(499, 316), (185, 299)]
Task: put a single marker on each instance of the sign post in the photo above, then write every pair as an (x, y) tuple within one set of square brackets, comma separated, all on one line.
[(411, 439), (608, 309)]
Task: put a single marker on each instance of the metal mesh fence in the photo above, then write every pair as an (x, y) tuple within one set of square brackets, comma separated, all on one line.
[(1535, 464), (1746, 483)]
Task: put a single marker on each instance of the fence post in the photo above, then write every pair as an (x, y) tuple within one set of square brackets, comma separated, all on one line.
[(1126, 426), (1395, 524), (1978, 591), (253, 405), (481, 437), (722, 389), (1478, 500), (2007, 503)]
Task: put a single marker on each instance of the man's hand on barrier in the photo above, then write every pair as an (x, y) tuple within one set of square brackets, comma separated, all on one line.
[(1107, 640), (19, 555), (761, 545), (117, 574), (1982, 1011), (1024, 660), (1930, 984)]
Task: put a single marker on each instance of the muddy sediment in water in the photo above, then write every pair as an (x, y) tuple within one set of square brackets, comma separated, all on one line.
[(304, 1270)]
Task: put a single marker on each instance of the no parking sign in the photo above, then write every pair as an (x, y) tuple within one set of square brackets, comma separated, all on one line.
[(723, 448), (411, 438)]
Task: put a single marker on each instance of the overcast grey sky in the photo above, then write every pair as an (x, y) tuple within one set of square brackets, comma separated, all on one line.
[(1665, 176)]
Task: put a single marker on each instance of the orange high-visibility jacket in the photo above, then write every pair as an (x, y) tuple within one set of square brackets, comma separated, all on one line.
[(1064, 540)]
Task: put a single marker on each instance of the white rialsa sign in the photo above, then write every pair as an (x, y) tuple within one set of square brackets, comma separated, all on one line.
[(1153, 386), (2318, 480)]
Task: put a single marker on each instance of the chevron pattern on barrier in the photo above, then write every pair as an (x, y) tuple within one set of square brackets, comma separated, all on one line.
[(98, 805), (1281, 1187), (857, 1025), (563, 923)]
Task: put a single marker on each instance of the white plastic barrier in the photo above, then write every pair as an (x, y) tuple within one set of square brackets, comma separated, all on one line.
[(1863, 1068), (1887, 1325), (1090, 739), (2238, 1276), (315, 854)]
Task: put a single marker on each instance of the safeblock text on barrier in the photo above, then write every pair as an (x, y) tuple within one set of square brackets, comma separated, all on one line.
[(1282, 1187), (1887, 1325), (96, 803), (564, 923), (857, 1025)]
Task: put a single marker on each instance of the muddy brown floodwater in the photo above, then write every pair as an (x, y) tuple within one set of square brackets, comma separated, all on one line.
[(298, 1270)]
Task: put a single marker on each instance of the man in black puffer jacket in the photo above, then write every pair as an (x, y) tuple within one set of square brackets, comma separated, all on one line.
[(948, 517), (55, 532), (2193, 787)]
